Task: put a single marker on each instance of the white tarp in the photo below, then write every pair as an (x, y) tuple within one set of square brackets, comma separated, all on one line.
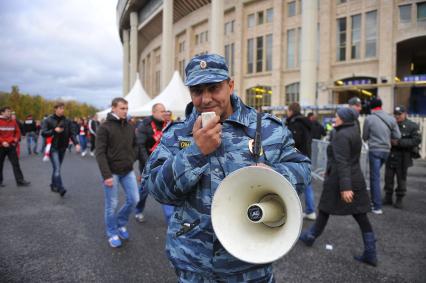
[(175, 97), (137, 97)]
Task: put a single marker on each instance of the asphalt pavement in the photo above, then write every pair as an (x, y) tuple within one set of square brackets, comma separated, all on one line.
[(46, 238)]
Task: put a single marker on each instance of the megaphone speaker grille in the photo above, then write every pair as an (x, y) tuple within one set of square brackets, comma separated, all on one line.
[(248, 241)]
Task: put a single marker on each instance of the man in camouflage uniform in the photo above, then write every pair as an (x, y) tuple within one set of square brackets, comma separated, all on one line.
[(186, 168)]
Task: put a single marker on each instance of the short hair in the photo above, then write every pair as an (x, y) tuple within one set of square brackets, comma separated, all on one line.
[(310, 114), (58, 105), (4, 108), (295, 107), (155, 106), (117, 100)]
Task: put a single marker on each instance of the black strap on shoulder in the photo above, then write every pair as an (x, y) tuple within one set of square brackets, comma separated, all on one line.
[(257, 146), (383, 120)]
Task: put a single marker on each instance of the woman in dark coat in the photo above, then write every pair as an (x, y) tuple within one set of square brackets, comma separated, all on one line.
[(344, 189)]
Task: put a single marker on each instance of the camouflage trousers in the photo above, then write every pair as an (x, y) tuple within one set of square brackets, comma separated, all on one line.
[(256, 276)]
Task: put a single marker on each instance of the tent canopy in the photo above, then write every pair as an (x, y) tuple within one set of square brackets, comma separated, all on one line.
[(137, 97), (174, 97)]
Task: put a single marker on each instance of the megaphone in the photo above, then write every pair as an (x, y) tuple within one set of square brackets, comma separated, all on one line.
[(256, 214)]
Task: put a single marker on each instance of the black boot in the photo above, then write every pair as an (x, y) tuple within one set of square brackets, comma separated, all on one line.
[(308, 236), (53, 188), (369, 256), (23, 183), (388, 199), (62, 191), (398, 202)]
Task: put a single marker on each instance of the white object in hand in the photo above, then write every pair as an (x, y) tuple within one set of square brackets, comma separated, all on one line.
[(206, 117), (329, 247)]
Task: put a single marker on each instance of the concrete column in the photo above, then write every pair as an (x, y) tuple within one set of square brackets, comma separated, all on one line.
[(217, 27), (385, 52), (133, 47), (239, 87), (167, 60), (277, 53), (326, 53), (125, 62), (308, 62)]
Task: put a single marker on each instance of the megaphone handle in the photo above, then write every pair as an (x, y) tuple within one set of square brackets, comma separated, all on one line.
[(257, 147)]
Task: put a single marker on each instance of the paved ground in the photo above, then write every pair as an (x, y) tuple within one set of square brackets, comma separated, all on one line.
[(44, 238)]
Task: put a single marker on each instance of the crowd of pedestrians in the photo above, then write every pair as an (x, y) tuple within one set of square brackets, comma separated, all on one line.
[(117, 142)]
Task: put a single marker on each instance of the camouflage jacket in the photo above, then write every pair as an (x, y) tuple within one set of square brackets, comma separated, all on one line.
[(178, 173)]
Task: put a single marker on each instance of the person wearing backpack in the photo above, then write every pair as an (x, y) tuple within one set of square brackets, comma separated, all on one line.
[(379, 130), (400, 158)]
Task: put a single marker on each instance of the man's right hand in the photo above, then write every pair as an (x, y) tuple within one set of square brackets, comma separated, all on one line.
[(5, 144), (59, 130), (108, 182), (208, 139)]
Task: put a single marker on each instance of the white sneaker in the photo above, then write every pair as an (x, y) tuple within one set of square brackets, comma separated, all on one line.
[(140, 217), (377, 211), (310, 216), (83, 153), (92, 153)]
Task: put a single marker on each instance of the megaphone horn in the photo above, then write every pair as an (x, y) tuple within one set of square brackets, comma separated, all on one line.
[(256, 214)]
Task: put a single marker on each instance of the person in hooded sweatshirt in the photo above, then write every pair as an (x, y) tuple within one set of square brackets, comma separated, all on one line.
[(301, 128), (344, 188), (380, 129)]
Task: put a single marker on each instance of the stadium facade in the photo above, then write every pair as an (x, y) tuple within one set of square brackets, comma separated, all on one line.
[(316, 52)]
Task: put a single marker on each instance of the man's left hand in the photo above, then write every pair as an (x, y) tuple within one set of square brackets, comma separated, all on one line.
[(77, 148)]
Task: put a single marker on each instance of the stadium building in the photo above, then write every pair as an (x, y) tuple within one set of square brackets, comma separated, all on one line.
[(316, 52)]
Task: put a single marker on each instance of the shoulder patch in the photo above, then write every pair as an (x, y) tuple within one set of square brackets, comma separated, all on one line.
[(273, 118)]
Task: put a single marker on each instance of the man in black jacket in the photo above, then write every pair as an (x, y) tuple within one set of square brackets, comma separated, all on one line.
[(115, 154), (59, 128), (30, 131), (400, 157), (149, 133), (301, 127), (317, 130)]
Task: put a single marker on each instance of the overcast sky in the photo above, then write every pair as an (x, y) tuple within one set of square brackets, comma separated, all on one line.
[(68, 49)]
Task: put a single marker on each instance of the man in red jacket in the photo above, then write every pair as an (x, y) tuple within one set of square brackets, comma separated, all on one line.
[(9, 138)]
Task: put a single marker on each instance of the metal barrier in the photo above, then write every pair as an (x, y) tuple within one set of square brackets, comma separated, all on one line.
[(319, 160)]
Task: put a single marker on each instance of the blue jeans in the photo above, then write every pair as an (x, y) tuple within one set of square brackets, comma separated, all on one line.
[(113, 219), (143, 195), (56, 158), (31, 138), (376, 160), (168, 212), (83, 142), (309, 199)]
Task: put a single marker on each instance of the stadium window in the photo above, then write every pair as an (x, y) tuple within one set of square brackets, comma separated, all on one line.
[(421, 12), (269, 15), (259, 54), (341, 39), (291, 48), (291, 9), (250, 55), (405, 13), (260, 18), (250, 20), (371, 34), (268, 41), (356, 37)]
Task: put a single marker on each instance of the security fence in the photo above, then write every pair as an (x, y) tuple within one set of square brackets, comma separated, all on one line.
[(319, 160)]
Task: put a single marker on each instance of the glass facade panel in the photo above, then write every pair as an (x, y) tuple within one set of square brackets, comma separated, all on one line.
[(371, 34), (268, 66), (269, 15), (421, 12), (405, 13), (250, 20), (356, 37), (259, 54), (229, 57), (341, 40), (260, 18), (291, 93), (291, 48), (291, 9), (250, 55)]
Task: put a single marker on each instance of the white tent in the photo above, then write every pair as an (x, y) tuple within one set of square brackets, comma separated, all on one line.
[(137, 97), (175, 97)]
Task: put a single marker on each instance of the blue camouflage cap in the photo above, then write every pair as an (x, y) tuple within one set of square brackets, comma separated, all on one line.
[(204, 69)]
